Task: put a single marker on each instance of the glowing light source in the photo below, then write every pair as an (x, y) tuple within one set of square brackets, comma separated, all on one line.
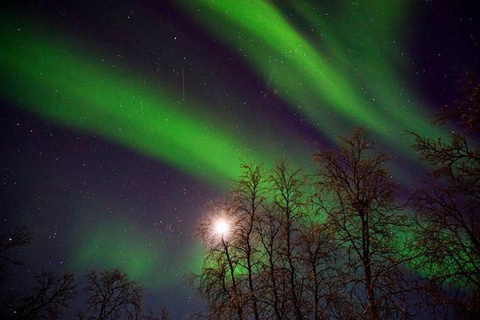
[(221, 227)]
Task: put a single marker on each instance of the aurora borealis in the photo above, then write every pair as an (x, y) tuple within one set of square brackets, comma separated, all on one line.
[(306, 78), (92, 98), (120, 120)]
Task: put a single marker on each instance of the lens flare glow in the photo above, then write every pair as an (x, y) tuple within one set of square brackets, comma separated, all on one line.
[(221, 227)]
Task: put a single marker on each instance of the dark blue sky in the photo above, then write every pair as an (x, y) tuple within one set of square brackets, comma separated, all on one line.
[(65, 185)]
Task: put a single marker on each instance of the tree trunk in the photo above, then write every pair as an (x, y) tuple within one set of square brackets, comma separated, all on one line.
[(234, 284), (372, 304)]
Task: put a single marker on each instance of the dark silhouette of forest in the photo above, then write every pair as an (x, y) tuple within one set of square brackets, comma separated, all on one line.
[(343, 243), (340, 244), (109, 294)]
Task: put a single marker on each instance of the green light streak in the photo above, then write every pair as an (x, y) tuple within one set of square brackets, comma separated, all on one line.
[(371, 56), (148, 253), (50, 77), (53, 79), (109, 244), (310, 81)]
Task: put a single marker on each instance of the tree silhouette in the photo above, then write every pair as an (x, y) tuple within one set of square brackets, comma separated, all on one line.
[(50, 293), (218, 280), (358, 196), (112, 295), (47, 299), (9, 242), (289, 203), (447, 202), (336, 245), (269, 265), (248, 200), (324, 295)]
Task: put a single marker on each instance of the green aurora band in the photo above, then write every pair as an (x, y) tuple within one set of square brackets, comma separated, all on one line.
[(52, 79), (49, 76), (350, 73), (352, 80), (110, 245), (347, 79), (134, 249)]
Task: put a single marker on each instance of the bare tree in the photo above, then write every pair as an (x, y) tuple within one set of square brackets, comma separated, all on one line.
[(273, 263), (247, 203), (324, 294), (447, 203), (47, 299), (290, 202), (50, 293), (272, 276), (219, 280), (465, 111), (9, 242), (112, 295), (358, 196)]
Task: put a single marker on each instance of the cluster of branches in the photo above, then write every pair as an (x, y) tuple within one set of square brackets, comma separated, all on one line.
[(305, 248), (447, 204), (109, 294), (339, 245)]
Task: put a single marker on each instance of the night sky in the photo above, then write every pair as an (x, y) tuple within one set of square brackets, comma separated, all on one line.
[(120, 120)]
